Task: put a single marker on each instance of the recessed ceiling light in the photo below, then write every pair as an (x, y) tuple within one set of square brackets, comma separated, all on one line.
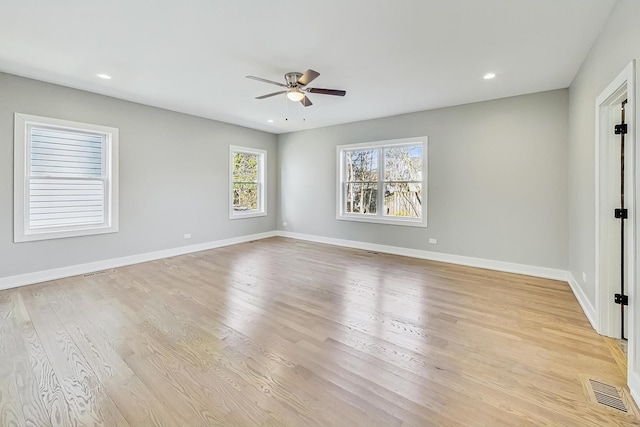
[(104, 76), (489, 76), (270, 121)]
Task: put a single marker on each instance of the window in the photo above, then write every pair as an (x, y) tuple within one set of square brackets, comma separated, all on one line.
[(248, 182), (66, 179), (383, 182)]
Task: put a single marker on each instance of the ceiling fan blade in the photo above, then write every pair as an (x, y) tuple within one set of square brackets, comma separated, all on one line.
[(260, 79), (271, 94), (335, 92), (308, 77), (306, 102)]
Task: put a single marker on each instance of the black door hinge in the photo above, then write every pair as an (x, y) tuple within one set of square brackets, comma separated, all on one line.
[(621, 299), (621, 213), (620, 129)]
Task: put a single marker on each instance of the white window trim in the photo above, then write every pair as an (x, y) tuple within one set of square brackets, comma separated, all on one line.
[(21, 193), (262, 182), (379, 218)]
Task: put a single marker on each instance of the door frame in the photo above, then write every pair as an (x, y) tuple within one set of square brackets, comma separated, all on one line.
[(607, 198), (606, 321)]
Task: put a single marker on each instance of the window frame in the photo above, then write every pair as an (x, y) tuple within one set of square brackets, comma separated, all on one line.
[(262, 182), (22, 177), (379, 217)]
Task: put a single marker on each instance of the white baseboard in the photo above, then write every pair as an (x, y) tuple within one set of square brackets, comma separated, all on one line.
[(529, 270), (74, 270), (587, 307)]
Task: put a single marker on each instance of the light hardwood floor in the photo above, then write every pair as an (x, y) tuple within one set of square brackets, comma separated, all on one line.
[(288, 333)]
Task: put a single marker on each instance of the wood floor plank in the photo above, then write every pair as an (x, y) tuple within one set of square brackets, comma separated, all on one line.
[(46, 381), (27, 385), (88, 404), (11, 413), (287, 333)]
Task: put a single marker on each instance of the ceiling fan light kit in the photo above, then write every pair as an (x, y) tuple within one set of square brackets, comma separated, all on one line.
[(295, 95), (295, 87)]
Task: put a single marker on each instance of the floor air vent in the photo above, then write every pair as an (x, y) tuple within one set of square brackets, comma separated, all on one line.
[(95, 273), (610, 396)]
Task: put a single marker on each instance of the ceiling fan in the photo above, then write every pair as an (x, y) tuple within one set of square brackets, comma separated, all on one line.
[(295, 87)]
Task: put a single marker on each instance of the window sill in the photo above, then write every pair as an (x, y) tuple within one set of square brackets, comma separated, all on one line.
[(248, 214), (387, 221), (32, 236)]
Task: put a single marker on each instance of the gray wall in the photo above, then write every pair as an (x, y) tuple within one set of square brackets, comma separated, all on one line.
[(173, 177), (617, 45), (497, 180)]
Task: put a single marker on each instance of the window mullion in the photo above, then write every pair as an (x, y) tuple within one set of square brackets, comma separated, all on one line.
[(381, 172)]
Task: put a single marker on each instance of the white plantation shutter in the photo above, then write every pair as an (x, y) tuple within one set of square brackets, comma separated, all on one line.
[(68, 179), (57, 202), (66, 182)]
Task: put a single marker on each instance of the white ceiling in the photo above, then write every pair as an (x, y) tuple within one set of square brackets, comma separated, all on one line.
[(391, 56)]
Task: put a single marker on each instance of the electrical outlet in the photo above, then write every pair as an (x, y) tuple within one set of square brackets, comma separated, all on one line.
[(187, 236), (584, 277), (433, 241), (284, 223)]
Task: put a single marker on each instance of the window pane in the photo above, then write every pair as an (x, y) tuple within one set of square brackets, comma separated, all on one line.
[(245, 197), (361, 198), (59, 202), (403, 199), (403, 163), (65, 153), (245, 167), (361, 165)]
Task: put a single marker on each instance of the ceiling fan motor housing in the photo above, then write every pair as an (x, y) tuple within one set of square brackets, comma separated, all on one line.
[(292, 78)]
